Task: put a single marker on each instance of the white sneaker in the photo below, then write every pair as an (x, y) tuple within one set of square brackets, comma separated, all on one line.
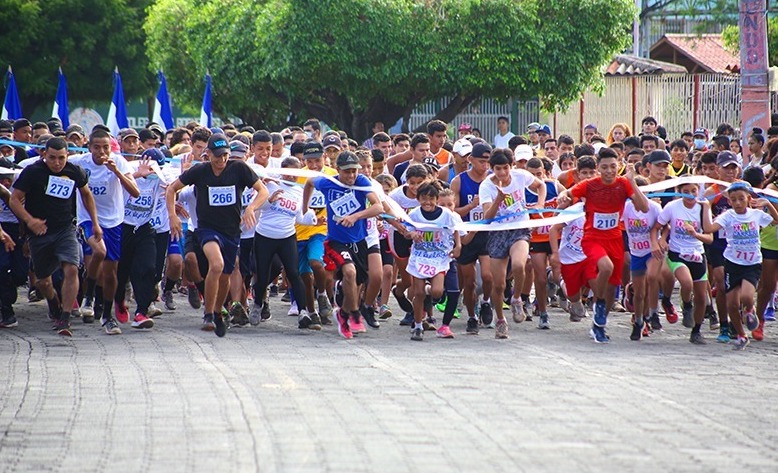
[(293, 311), (256, 313)]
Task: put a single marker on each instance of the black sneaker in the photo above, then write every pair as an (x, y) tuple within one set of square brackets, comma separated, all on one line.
[(713, 319), (265, 314), (220, 324), (637, 332), (274, 290), (315, 321), (417, 334), (368, 313), (403, 301), (408, 319), (9, 321), (472, 326), (287, 297), (656, 324), (303, 320), (697, 338), (487, 314)]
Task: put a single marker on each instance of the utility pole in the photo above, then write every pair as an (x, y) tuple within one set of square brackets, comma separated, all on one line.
[(754, 88)]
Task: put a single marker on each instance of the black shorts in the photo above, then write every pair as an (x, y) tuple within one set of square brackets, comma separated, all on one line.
[(540, 247), (625, 240), (769, 254), (48, 252), (734, 274), (246, 257), (374, 250), (341, 254), (401, 246), (192, 245), (714, 255), (473, 250), (698, 271), (387, 258)]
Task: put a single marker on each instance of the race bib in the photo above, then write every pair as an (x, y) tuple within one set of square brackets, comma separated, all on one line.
[(98, 188), (143, 201), (246, 198), (543, 230), (477, 214), (603, 221), (747, 256), (60, 187), (317, 200), (344, 205), (221, 196), (691, 257), (428, 267), (640, 245)]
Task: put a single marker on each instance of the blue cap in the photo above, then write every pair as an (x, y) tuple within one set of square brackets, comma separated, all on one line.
[(544, 129), (154, 154)]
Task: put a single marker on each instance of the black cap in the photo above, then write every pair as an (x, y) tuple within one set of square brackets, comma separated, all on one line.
[(312, 149), (725, 158), (218, 144), (21, 123), (658, 156), (330, 141), (481, 150), (146, 134), (348, 160), (238, 149), (6, 126)]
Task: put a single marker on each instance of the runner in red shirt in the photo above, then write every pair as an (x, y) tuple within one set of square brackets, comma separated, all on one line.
[(604, 202)]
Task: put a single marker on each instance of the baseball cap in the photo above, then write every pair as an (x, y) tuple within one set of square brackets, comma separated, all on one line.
[(700, 132), (312, 149), (544, 129), (725, 158), (238, 149), (330, 141), (154, 127), (154, 154), (522, 153), (481, 150), (465, 127), (218, 144), (75, 128), (348, 160), (216, 130), (658, 156), (6, 126), (533, 127), (742, 186), (463, 147), (125, 133), (146, 134)]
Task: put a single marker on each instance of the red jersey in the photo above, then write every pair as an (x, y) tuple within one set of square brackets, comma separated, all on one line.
[(604, 205)]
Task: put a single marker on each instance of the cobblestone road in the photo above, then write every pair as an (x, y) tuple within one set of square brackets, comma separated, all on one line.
[(275, 398)]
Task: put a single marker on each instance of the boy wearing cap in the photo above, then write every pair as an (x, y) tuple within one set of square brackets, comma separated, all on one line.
[(109, 175), (345, 199), (459, 163), (129, 141), (43, 199), (218, 184), (463, 130)]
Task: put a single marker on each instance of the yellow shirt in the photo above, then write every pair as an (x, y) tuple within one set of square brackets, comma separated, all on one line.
[(319, 206)]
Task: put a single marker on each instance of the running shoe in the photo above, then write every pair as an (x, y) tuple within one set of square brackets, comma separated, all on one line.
[(444, 332), (255, 315), (637, 332), (598, 334), (343, 327), (670, 312), (193, 295), (656, 324), (220, 323), (385, 312), (287, 297), (769, 314), (543, 321), (408, 319), (63, 328), (417, 334), (472, 326), (758, 333), (723, 335), (303, 320), (600, 314), (122, 313), (265, 315), (428, 324), (618, 307), (293, 310), (238, 314), (713, 318), (687, 316), (315, 321), (9, 321), (368, 313), (577, 311), (111, 326), (207, 325), (141, 321), (752, 322), (740, 343), (529, 310), (167, 298), (486, 313), (501, 329), (87, 312), (356, 324), (403, 301), (154, 311), (441, 306), (325, 308), (697, 338), (519, 315)]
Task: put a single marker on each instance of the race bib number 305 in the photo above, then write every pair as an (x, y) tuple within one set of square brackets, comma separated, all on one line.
[(220, 196), (60, 187), (604, 221)]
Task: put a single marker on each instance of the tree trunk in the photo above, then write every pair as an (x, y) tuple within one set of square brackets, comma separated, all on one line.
[(453, 109)]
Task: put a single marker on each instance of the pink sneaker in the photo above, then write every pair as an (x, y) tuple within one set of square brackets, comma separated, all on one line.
[(122, 314), (343, 327), (444, 332), (356, 324), (141, 321)]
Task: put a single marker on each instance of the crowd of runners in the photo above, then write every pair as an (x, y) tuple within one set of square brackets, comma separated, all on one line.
[(108, 228)]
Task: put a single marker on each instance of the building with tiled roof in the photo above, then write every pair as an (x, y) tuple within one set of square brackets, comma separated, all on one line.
[(697, 53), (630, 65)]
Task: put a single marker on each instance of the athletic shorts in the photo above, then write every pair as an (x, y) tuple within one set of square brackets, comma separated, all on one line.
[(111, 236), (400, 246), (374, 250), (625, 239), (578, 275), (715, 256), (309, 250), (699, 271), (500, 242), (337, 255), (478, 246), (769, 254), (734, 274), (228, 246), (49, 251), (540, 247), (594, 249), (387, 258), (246, 258), (639, 264)]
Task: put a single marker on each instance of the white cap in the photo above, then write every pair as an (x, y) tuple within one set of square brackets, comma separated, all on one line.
[(463, 147), (523, 152), (598, 146)]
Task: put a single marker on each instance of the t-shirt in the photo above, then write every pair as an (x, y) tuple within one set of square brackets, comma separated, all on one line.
[(638, 226), (430, 256), (442, 157), (277, 219), (540, 234), (501, 141), (51, 196), (138, 210), (682, 242), (159, 217), (305, 232), (106, 188), (742, 231), (515, 195), (218, 197), (570, 251), (6, 216), (342, 201), (604, 205), (188, 199)]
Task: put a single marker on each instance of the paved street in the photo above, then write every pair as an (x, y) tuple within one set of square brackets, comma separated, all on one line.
[(275, 398)]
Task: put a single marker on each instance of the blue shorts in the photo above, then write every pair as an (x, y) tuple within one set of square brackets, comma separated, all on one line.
[(310, 249), (111, 236), (228, 246), (638, 264)]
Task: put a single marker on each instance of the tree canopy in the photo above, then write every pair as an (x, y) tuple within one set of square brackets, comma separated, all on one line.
[(351, 62), (87, 38)]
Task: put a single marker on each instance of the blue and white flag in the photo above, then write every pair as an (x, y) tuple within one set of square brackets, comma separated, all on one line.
[(117, 114), (163, 111), (12, 106), (205, 110), (61, 109)]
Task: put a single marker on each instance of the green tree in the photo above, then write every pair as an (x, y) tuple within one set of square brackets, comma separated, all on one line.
[(731, 37), (87, 38), (351, 62)]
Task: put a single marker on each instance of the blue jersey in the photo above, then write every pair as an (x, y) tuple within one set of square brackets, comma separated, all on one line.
[(468, 190), (342, 201)]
